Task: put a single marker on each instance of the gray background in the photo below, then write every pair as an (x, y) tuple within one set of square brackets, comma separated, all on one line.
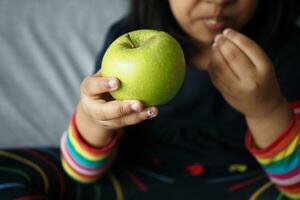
[(46, 48)]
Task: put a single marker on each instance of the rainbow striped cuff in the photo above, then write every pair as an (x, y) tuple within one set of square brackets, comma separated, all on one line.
[(80, 160), (281, 159)]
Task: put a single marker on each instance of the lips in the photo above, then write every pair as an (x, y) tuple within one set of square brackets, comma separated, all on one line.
[(215, 23)]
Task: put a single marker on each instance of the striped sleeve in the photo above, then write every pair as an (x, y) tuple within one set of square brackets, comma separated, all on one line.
[(83, 162), (281, 159)]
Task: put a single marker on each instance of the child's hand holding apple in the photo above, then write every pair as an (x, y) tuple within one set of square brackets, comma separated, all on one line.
[(98, 116), (143, 68)]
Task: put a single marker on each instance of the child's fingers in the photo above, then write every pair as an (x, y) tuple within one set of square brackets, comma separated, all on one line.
[(236, 58), (96, 85), (249, 47), (132, 118), (220, 71), (115, 109)]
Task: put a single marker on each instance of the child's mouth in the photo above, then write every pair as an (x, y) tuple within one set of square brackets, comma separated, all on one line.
[(215, 23), (212, 21)]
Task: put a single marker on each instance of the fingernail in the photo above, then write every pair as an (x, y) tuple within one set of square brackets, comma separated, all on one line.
[(218, 38), (135, 107), (214, 45), (150, 113), (227, 31), (112, 84)]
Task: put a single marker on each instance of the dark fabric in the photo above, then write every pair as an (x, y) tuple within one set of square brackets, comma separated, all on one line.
[(198, 125), (37, 174), (194, 149)]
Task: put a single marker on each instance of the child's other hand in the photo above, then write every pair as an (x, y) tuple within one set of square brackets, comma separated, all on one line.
[(98, 115), (244, 75)]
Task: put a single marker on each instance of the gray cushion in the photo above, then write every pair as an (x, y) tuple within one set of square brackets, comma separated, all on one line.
[(46, 48)]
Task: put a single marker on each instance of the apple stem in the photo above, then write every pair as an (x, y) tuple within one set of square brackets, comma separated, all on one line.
[(131, 42)]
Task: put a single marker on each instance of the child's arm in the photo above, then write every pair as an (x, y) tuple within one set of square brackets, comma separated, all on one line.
[(82, 161), (273, 123), (245, 76), (90, 144), (281, 158)]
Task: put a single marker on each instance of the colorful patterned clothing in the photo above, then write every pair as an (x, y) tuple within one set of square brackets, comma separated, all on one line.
[(27, 174)]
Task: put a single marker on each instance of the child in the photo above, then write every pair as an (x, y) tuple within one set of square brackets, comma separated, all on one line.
[(241, 82)]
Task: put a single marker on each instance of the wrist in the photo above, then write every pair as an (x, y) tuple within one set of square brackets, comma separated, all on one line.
[(280, 108), (91, 132), (266, 128)]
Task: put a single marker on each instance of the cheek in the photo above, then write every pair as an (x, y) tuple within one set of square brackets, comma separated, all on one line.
[(247, 10), (181, 9)]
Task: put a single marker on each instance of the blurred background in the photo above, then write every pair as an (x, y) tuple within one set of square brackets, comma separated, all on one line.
[(46, 48)]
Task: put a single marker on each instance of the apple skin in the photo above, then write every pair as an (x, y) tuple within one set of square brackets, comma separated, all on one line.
[(150, 65)]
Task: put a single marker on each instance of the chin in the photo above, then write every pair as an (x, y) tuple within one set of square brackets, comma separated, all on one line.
[(207, 41), (206, 38), (203, 36)]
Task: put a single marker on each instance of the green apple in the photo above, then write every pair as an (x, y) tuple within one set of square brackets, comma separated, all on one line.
[(150, 65)]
